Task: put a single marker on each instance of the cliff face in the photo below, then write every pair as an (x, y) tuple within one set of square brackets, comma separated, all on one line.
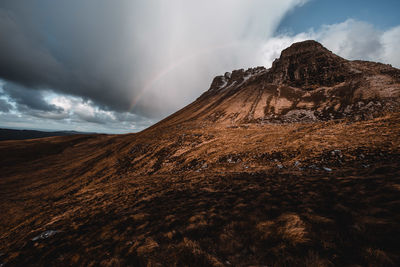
[(307, 83)]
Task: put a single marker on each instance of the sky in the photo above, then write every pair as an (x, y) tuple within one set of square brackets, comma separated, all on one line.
[(120, 66)]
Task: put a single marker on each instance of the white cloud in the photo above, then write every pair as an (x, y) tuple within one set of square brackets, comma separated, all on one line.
[(351, 39), (274, 46), (81, 111), (70, 113), (390, 41)]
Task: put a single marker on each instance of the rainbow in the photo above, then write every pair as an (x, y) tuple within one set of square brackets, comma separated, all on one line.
[(161, 74)]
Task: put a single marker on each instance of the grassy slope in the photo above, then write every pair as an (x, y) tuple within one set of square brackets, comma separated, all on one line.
[(206, 195)]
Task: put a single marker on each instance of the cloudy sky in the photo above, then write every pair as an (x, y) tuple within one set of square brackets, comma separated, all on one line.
[(119, 66)]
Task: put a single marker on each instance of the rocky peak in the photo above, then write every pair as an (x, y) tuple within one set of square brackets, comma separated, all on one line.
[(235, 78), (308, 63), (303, 47)]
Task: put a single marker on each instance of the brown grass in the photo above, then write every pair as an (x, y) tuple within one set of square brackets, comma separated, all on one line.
[(117, 203)]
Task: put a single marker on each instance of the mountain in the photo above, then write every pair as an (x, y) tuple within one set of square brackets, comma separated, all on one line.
[(296, 165), (307, 83)]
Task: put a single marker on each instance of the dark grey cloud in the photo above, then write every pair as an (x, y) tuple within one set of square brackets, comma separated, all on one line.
[(5, 106), (51, 115), (99, 118), (22, 59), (26, 98), (146, 57)]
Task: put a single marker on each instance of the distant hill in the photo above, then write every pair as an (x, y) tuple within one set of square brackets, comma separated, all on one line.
[(11, 134)]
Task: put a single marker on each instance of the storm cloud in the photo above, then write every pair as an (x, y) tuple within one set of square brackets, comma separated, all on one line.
[(145, 57), (27, 98)]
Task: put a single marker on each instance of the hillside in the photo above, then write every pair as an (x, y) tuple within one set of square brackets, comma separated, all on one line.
[(296, 165)]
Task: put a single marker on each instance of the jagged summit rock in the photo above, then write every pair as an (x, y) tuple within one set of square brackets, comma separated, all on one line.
[(308, 63)]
